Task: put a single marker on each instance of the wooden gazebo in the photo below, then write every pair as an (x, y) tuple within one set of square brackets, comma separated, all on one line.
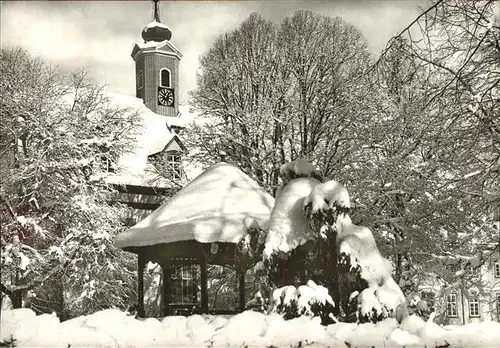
[(202, 225)]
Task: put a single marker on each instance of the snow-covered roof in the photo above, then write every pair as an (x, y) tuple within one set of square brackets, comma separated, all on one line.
[(185, 118), (217, 206), (149, 44), (152, 136), (157, 24), (156, 46)]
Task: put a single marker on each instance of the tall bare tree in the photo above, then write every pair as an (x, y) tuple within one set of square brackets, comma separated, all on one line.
[(441, 74), (277, 93)]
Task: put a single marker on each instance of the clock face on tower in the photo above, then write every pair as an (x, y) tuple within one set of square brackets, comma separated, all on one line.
[(165, 96)]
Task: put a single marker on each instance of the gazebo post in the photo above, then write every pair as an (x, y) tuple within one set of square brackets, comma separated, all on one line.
[(241, 288), (167, 288), (204, 288), (141, 264)]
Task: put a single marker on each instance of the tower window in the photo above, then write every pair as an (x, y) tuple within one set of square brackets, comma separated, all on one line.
[(451, 305), (140, 79), (474, 307), (165, 77)]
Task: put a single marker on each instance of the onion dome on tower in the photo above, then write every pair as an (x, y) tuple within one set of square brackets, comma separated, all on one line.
[(156, 31)]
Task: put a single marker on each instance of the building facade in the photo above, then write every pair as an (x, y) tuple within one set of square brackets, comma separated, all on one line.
[(481, 302), (473, 303)]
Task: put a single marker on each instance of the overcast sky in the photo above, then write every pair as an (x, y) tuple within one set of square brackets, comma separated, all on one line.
[(100, 34)]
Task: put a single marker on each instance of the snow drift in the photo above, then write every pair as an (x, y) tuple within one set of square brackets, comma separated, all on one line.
[(112, 328)]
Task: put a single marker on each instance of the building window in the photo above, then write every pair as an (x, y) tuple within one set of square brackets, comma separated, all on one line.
[(451, 305), (140, 79), (184, 289), (496, 269), (474, 307), (168, 165), (110, 166), (498, 307), (173, 162), (164, 77), (107, 165)]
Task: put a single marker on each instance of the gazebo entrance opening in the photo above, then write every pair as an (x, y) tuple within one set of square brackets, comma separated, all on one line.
[(222, 288), (186, 280), (224, 294), (185, 286)]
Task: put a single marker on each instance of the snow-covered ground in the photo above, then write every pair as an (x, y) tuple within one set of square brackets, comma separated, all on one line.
[(112, 328)]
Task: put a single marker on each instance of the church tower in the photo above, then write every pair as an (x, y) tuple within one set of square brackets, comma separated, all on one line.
[(157, 67)]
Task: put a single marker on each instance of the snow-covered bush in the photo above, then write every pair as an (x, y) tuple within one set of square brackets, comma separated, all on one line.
[(310, 300), (312, 217), (357, 254)]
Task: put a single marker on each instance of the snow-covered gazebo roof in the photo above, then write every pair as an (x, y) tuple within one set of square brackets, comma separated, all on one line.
[(217, 206)]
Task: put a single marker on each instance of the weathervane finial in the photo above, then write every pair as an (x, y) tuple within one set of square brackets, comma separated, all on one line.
[(156, 11)]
